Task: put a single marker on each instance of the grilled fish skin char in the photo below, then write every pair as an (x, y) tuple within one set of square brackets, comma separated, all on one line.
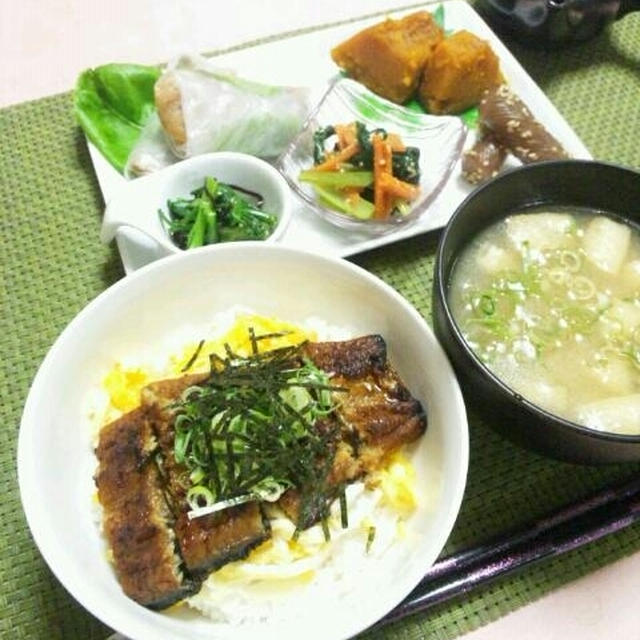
[(377, 413), (377, 410), (349, 358), (157, 398), (209, 542), (136, 520)]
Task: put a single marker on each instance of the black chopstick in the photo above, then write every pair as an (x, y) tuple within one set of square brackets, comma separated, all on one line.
[(573, 526), (460, 560)]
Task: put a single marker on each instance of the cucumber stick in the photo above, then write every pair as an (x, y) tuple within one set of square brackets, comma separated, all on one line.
[(337, 179), (332, 198)]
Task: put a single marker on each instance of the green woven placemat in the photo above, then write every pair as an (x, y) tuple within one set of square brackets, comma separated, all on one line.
[(52, 264)]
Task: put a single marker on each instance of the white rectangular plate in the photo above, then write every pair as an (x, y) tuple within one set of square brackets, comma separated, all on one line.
[(304, 60)]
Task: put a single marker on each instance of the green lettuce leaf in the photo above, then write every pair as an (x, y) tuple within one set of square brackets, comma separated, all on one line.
[(112, 104)]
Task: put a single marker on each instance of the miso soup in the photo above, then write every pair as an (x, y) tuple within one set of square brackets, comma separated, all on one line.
[(550, 302)]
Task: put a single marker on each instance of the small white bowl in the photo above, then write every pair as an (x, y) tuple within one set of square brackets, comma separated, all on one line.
[(137, 204), (172, 302)]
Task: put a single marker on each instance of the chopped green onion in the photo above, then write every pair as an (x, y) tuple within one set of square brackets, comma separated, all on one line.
[(487, 304), (249, 430), (198, 494), (196, 476), (268, 490), (581, 288), (570, 260)]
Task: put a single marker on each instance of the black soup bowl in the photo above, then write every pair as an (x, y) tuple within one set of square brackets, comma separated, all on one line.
[(606, 188)]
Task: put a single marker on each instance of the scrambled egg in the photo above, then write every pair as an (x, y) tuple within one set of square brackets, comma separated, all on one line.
[(239, 341), (397, 482), (124, 384), (280, 558)]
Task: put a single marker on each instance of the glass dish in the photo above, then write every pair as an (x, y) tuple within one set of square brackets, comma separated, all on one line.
[(439, 138)]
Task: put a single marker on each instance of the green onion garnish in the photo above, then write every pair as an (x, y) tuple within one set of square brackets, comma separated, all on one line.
[(248, 431), (487, 304)]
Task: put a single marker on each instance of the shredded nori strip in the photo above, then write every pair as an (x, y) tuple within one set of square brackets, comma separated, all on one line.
[(370, 538), (193, 358), (242, 426), (344, 516)]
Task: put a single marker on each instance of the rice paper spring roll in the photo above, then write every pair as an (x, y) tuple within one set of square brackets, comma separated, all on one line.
[(151, 151), (204, 109)]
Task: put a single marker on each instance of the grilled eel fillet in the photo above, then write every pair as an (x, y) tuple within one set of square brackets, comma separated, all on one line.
[(145, 510), (376, 416), (208, 542), (136, 520)]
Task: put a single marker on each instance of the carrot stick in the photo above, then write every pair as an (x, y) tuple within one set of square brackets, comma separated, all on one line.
[(346, 134), (396, 142), (398, 188), (334, 160), (381, 166)]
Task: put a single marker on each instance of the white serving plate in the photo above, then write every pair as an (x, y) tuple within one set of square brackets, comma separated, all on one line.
[(145, 312), (304, 60)]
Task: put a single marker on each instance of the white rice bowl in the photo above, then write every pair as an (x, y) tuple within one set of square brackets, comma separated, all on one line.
[(163, 305)]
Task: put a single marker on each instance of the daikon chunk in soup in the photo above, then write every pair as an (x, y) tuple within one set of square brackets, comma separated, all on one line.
[(550, 302)]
